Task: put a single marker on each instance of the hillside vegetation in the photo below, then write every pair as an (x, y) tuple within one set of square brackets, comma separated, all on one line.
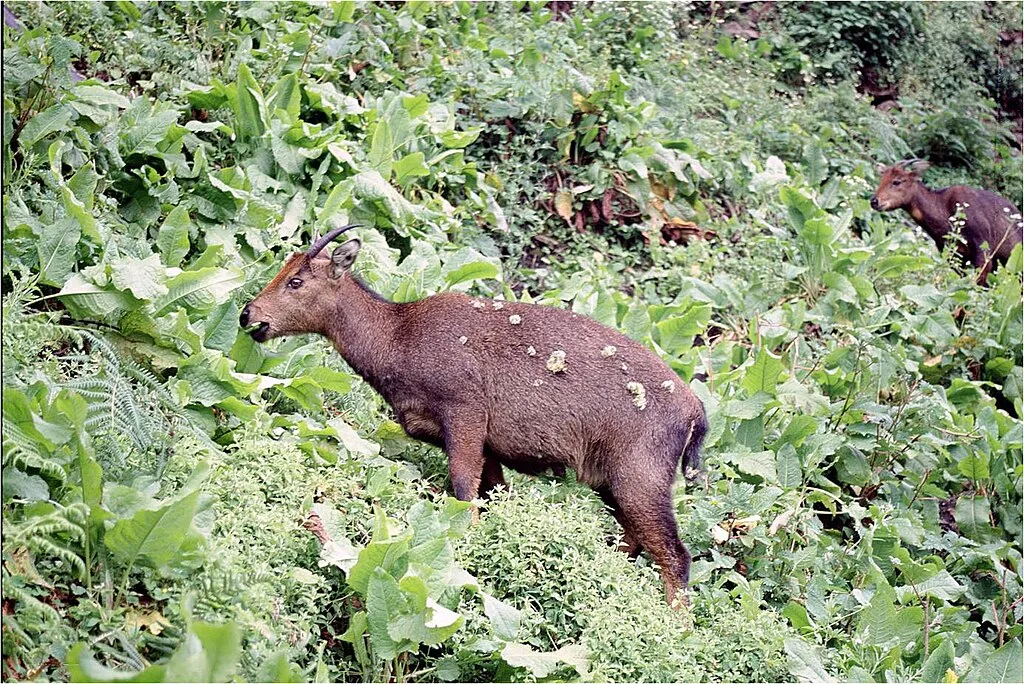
[(181, 503)]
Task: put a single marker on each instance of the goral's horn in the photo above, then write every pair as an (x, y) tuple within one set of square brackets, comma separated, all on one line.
[(904, 163), (326, 239)]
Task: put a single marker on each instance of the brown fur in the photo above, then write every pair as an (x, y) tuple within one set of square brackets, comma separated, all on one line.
[(993, 225), (459, 374)]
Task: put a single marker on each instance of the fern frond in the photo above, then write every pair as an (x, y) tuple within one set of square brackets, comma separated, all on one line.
[(21, 451), (66, 520), (37, 534), (44, 546), (12, 592)]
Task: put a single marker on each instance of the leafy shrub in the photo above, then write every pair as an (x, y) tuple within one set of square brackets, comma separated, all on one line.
[(845, 39), (548, 548), (959, 57), (863, 458)]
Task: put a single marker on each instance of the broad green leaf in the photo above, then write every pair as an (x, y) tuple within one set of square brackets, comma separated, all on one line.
[(351, 440), (145, 131), (972, 515), (58, 249), (817, 231), (941, 585), (331, 380), (83, 667), (209, 653), (384, 603), (17, 484), (355, 635), (804, 663), (293, 215), (817, 164), (416, 105), (285, 95), (540, 664), (83, 185), (1002, 665), (939, 661), (505, 619), (799, 206), (144, 278), (460, 139), (800, 427), (343, 10), (787, 465), (747, 408), (247, 105), (289, 157), (77, 211), (370, 186), (381, 150), (87, 300), (636, 324), (221, 327), (45, 123), (477, 270), (101, 95), (387, 556), (211, 379), (760, 463), (199, 290), (763, 375), (92, 481), (410, 166), (172, 238), (881, 624), (975, 466), (277, 669), (676, 334), (154, 537)]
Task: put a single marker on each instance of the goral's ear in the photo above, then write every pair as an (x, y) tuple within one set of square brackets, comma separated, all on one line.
[(343, 257), (880, 168), (919, 167)]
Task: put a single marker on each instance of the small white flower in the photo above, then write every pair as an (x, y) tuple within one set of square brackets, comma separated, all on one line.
[(538, 383), (477, 304), (463, 339), (498, 305), (669, 385), (514, 319), (624, 368), (609, 351), (530, 351)]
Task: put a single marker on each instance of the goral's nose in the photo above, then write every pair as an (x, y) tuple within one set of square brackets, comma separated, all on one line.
[(874, 202), (243, 318)]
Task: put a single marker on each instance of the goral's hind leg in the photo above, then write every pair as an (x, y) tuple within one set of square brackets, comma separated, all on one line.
[(644, 496), (492, 475), (630, 546), (464, 433)]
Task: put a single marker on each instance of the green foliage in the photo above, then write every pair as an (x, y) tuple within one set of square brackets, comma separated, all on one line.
[(180, 502), (844, 39)]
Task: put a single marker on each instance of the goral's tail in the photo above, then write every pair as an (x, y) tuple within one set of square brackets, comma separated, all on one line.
[(691, 453)]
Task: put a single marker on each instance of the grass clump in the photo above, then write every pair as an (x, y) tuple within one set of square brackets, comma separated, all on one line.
[(546, 549)]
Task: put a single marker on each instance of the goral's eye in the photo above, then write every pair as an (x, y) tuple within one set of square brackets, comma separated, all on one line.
[(295, 283), (897, 182)]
